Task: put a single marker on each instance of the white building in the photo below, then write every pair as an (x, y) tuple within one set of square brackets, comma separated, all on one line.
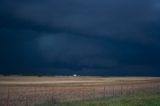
[(74, 75)]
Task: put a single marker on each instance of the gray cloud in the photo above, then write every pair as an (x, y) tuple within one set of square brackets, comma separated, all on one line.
[(72, 49), (87, 34), (116, 19)]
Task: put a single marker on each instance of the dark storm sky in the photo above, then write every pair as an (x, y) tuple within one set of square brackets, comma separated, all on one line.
[(88, 37)]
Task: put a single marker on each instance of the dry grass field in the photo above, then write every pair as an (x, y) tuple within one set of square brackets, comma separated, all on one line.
[(30, 90)]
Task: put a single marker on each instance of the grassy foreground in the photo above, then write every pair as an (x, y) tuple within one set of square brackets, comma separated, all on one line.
[(143, 100)]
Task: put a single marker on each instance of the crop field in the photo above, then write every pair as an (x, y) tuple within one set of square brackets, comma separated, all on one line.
[(34, 91)]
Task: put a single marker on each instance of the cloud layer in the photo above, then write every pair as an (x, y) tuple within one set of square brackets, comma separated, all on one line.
[(79, 34)]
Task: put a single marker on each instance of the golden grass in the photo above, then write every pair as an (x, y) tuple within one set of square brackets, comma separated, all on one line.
[(19, 90)]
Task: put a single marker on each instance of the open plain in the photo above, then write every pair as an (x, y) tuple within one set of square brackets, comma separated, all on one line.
[(31, 90)]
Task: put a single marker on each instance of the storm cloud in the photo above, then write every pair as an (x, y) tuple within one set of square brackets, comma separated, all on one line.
[(80, 35)]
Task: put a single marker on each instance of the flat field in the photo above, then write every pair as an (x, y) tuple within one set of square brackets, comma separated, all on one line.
[(138, 100), (31, 90)]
